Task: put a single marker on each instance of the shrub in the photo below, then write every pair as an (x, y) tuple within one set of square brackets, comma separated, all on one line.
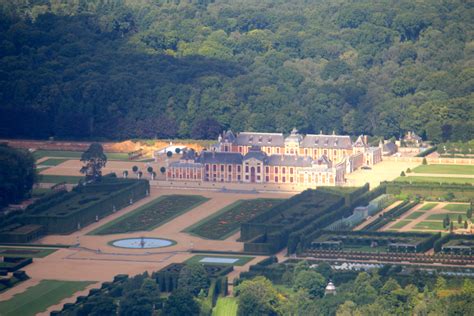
[(402, 174), (162, 169), (408, 170), (169, 154), (424, 161)]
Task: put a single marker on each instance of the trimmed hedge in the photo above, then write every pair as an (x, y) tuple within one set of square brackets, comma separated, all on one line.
[(427, 152)]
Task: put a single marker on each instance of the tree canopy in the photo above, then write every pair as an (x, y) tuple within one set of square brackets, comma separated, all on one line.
[(94, 159), (122, 69)]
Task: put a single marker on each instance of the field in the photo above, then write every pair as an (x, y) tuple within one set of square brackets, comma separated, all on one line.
[(46, 178), (242, 259), (23, 252), (38, 298), (52, 162), (435, 179), (457, 207), (428, 206), (226, 306), (75, 155), (227, 221), (151, 215), (444, 169), (400, 224), (414, 215)]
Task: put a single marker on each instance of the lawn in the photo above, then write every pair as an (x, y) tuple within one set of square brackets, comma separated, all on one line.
[(242, 260), (52, 162), (462, 208), (47, 178), (427, 206), (226, 306), (430, 225), (75, 155), (151, 215), (227, 221), (414, 215), (400, 224), (444, 169), (38, 298), (452, 216), (24, 252), (435, 179)]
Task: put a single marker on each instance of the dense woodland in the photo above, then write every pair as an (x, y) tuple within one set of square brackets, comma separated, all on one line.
[(154, 68)]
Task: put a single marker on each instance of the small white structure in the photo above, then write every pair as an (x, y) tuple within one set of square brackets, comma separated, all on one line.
[(168, 148), (330, 289)]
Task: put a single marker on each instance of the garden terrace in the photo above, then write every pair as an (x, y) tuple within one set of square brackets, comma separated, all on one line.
[(151, 215), (372, 241), (65, 212), (227, 221), (432, 191), (390, 215), (455, 244), (269, 231)]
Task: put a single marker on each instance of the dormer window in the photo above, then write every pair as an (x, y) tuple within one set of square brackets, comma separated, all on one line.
[(269, 139), (260, 139), (316, 142)]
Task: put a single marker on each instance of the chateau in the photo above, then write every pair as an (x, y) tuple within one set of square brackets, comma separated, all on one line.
[(306, 160)]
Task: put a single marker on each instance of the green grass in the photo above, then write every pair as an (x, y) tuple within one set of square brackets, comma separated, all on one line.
[(457, 207), (430, 225), (38, 298), (75, 155), (151, 215), (47, 178), (52, 162), (444, 169), (25, 252), (414, 215), (227, 221), (427, 206), (400, 224), (242, 259), (452, 216), (435, 179), (226, 306)]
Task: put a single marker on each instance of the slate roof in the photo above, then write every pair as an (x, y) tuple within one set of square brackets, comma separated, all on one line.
[(256, 154), (220, 157), (327, 141), (287, 160), (228, 136), (390, 147), (260, 139)]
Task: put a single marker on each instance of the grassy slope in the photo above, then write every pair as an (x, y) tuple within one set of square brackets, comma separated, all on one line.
[(39, 297), (226, 306), (445, 169)]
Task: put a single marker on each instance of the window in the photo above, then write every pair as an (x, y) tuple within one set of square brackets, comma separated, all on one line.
[(238, 177), (238, 168), (335, 152), (222, 168), (258, 169), (283, 179), (246, 168), (246, 177), (229, 168), (207, 167), (291, 179), (276, 179), (283, 170), (278, 150), (291, 170), (267, 178), (306, 152), (214, 167), (267, 169), (276, 169), (258, 178)]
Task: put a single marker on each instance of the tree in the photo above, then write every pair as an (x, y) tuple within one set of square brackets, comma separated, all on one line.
[(257, 297), (139, 174), (459, 219), (136, 302), (181, 302), (17, 175), (325, 270), (408, 170), (149, 170), (469, 212), (135, 169), (465, 225), (125, 174), (193, 278), (424, 161), (169, 154), (177, 150), (402, 174), (451, 227), (162, 170), (94, 159), (311, 281)]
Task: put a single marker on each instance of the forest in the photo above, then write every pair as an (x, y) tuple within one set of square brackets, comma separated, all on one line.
[(103, 69)]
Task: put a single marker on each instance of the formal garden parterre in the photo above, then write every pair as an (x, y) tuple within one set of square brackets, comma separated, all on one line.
[(227, 221), (152, 214)]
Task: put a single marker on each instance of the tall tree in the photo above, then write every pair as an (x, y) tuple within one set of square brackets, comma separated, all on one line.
[(94, 159)]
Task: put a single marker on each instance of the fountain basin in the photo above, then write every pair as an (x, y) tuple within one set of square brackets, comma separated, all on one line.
[(142, 243)]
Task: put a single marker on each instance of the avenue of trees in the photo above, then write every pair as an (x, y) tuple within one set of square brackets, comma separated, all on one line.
[(127, 69), (17, 175)]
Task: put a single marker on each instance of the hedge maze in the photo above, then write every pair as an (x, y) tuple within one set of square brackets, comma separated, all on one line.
[(64, 212), (151, 215), (227, 221)]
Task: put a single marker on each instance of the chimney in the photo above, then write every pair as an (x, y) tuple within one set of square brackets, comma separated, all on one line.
[(366, 139)]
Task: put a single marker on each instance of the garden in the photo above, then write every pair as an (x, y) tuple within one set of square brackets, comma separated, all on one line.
[(227, 221), (445, 169), (151, 215), (444, 180), (38, 298)]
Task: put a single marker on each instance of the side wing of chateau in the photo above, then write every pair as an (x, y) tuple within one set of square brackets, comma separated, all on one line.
[(306, 160)]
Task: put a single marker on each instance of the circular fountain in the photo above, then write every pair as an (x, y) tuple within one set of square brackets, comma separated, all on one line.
[(142, 243)]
